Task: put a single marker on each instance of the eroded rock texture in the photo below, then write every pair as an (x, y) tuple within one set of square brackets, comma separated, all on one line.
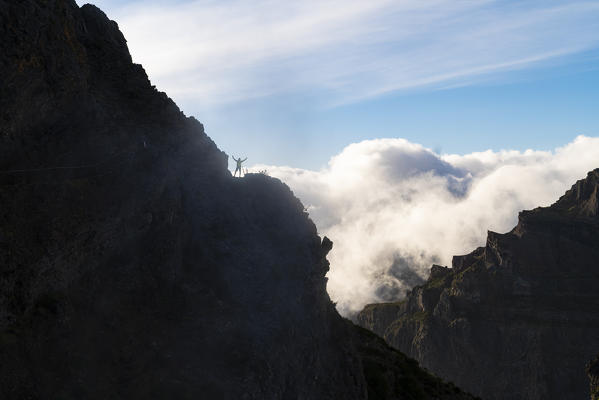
[(593, 372), (132, 265), (516, 319)]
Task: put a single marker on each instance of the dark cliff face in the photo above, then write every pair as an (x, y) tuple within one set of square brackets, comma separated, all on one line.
[(132, 265), (516, 319), (593, 372)]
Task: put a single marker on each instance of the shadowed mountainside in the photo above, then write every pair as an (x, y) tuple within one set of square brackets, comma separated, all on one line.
[(132, 265), (593, 372), (516, 319)]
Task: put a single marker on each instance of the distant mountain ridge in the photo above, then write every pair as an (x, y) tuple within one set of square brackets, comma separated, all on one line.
[(517, 318), (582, 199)]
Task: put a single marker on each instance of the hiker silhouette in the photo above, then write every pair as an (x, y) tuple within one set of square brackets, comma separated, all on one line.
[(238, 168)]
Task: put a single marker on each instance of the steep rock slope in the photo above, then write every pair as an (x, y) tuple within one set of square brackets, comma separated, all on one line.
[(132, 265), (593, 372), (516, 319)]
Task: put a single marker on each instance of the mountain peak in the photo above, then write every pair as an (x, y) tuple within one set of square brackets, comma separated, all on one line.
[(133, 264), (583, 198)]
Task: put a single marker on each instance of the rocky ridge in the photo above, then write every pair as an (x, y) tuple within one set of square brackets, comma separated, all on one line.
[(517, 318), (132, 265)]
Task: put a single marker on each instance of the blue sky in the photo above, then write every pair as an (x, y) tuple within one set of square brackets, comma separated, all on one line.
[(293, 83)]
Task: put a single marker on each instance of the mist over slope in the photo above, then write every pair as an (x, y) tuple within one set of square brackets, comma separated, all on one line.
[(393, 207)]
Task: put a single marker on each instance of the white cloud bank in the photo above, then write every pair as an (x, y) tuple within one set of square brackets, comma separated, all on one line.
[(219, 52), (392, 207)]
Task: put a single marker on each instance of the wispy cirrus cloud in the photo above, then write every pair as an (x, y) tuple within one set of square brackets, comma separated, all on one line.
[(219, 52)]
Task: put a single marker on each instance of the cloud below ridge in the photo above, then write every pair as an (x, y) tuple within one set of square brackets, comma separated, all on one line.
[(392, 207)]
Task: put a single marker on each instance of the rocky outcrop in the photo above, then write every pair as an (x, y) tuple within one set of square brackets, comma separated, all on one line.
[(593, 373), (390, 374), (515, 319), (132, 265)]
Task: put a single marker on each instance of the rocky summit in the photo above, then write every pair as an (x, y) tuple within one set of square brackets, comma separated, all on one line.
[(132, 265), (517, 318)]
